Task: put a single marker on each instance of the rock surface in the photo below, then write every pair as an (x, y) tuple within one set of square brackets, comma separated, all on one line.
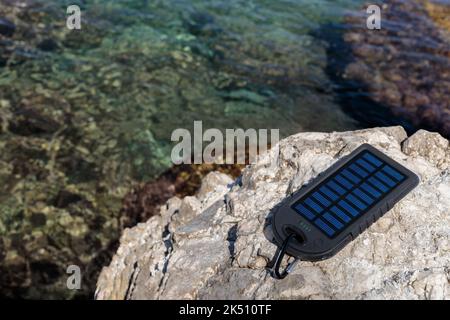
[(213, 245)]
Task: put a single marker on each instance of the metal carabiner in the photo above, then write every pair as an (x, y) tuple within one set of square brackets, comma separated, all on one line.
[(274, 266)]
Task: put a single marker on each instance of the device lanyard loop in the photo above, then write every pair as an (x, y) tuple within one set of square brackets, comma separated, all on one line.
[(274, 267)]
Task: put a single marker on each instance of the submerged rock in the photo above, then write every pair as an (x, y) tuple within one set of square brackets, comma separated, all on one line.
[(48, 45), (213, 245), (406, 65), (7, 27)]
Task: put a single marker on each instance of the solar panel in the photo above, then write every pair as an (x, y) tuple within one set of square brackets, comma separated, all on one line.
[(349, 193), (340, 203)]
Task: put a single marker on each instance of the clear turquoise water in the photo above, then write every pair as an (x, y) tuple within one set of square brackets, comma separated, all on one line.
[(140, 69)]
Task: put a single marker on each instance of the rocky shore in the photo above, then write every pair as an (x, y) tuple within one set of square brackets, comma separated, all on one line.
[(213, 245)]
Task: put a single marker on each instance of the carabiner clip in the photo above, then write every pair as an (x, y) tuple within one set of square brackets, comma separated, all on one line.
[(274, 267)]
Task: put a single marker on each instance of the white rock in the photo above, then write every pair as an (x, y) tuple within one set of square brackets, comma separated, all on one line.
[(213, 246)]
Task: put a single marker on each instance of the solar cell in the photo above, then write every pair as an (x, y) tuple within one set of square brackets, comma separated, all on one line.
[(336, 187), (362, 195), (324, 227), (365, 165), (378, 184), (351, 176), (336, 223), (367, 188), (344, 182), (393, 173), (314, 205), (330, 194), (307, 213), (372, 159), (338, 212), (321, 199), (358, 170)]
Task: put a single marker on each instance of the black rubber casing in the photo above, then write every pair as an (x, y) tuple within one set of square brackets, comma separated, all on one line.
[(311, 244)]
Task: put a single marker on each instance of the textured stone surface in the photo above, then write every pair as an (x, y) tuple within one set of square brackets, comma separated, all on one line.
[(213, 245)]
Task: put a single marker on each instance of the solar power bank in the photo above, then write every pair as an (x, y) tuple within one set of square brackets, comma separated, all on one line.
[(318, 220)]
